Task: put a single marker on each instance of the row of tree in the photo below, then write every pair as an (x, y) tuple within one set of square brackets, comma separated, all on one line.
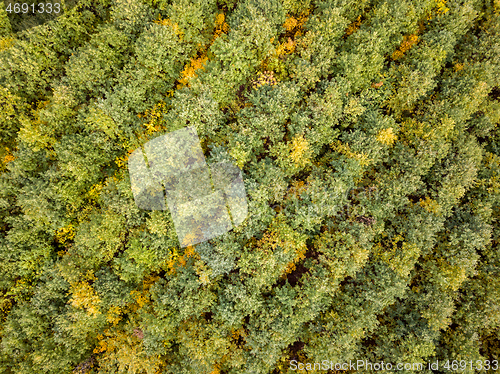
[(367, 133)]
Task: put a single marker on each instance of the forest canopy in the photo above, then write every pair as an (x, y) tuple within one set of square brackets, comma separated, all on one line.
[(367, 133)]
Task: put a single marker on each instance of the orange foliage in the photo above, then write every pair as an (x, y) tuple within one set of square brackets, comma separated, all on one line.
[(176, 260), (120, 351), (294, 25), (122, 161), (292, 265), (141, 297), (296, 189), (290, 23), (432, 206), (8, 158), (286, 48), (189, 71), (286, 238), (190, 252), (166, 22), (353, 27), (221, 26), (408, 42)]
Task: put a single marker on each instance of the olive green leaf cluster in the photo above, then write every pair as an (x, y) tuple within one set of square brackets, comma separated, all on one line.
[(369, 141)]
